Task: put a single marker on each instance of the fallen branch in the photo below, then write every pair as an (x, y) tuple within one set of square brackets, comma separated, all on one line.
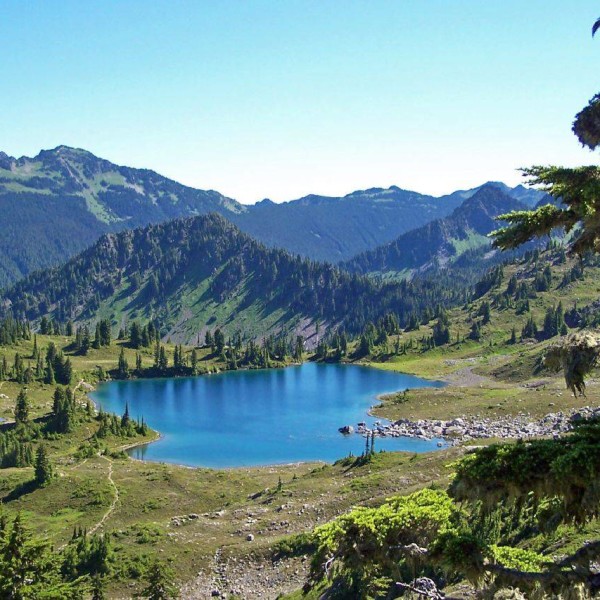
[(423, 586)]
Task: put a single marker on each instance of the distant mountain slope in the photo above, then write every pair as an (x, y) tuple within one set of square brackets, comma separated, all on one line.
[(62, 200), (113, 194), (202, 272), (40, 230), (335, 229), (531, 197), (61, 187), (443, 241)]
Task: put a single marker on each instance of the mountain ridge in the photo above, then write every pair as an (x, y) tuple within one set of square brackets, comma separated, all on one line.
[(44, 199)]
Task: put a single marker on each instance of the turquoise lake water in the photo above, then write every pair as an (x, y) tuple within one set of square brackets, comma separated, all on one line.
[(244, 418)]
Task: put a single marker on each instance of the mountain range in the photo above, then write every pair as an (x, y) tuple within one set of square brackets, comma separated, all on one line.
[(61, 201)]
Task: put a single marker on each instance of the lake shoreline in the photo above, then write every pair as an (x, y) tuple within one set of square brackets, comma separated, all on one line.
[(271, 418)]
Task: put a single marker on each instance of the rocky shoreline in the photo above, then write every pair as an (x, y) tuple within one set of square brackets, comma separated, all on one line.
[(455, 431)]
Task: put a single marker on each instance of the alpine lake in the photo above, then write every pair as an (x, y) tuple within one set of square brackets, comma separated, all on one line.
[(260, 417)]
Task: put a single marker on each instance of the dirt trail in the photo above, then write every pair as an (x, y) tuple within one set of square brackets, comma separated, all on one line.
[(113, 505)]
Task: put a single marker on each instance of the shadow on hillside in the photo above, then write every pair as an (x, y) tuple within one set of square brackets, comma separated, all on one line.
[(20, 491)]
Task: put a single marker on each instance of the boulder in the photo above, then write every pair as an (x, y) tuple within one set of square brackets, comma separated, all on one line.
[(454, 431)]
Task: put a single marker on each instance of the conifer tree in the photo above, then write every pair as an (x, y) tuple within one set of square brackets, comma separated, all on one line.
[(577, 189), (43, 468), (67, 372), (98, 588), (45, 327), (126, 419), (219, 341), (135, 336), (163, 362), (364, 346), (530, 329), (18, 368), (441, 331), (485, 312), (160, 583), (475, 333), (208, 339), (49, 376), (157, 354), (27, 569), (22, 408), (123, 366), (63, 410), (85, 341), (96, 343), (104, 332), (145, 338)]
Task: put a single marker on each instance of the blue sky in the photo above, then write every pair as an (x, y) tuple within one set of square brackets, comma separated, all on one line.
[(282, 98)]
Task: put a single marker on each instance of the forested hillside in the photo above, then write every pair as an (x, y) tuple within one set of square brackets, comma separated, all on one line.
[(530, 299), (190, 274)]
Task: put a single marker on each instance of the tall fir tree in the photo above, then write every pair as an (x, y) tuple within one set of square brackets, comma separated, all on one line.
[(22, 408), (43, 468)]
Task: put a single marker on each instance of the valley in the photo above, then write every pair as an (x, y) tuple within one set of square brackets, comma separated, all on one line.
[(217, 527)]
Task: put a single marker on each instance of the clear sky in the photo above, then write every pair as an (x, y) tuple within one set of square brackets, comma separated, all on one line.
[(283, 98)]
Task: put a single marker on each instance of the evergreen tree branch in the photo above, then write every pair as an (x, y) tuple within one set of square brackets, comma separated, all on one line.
[(577, 190)]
